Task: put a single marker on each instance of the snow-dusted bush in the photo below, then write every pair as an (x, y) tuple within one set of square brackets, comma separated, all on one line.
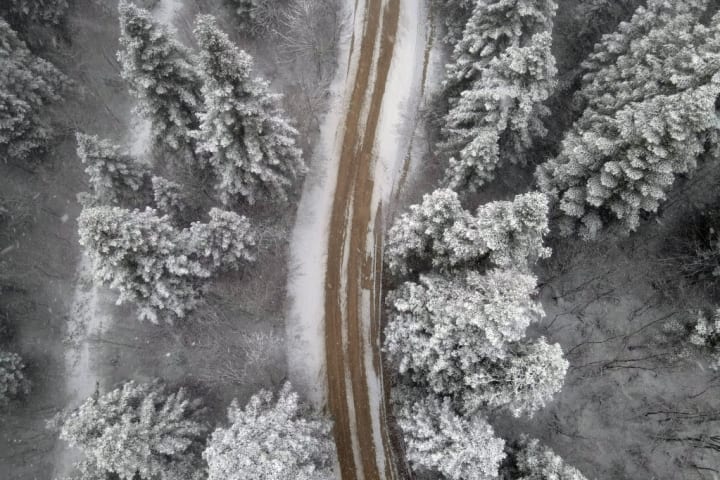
[(497, 117), (650, 93), (115, 178), (23, 12), (157, 266), (244, 136), (440, 440), (706, 334), (463, 338), (169, 198), (27, 84), (161, 74), (13, 382), (271, 439), (439, 233), (137, 431), (538, 462)]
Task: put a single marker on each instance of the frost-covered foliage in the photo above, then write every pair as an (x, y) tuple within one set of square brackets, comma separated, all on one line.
[(706, 334), (257, 16), (271, 440), (440, 440), (497, 117), (455, 14), (538, 462), (169, 198), (23, 12), (138, 431), (493, 27), (244, 136), (13, 382), (115, 177), (439, 233), (650, 93), (27, 84), (161, 74), (461, 338), (157, 266)]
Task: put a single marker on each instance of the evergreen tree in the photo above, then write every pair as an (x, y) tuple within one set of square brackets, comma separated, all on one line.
[(249, 144), (493, 27), (20, 13), (462, 339), (115, 178), (13, 382), (651, 114), (538, 462), (153, 264), (138, 432), (440, 440), (161, 75), (497, 117), (440, 234), (27, 84), (271, 439)]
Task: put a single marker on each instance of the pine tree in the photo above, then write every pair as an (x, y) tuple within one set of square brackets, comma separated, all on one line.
[(138, 431), (440, 440), (271, 439), (463, 340), (493, 27), (27, 85), (115, 178), (249, 144), (20, 13), (440, 234), (158, 267), (161, 74), (651, 115), (496, 119), (538, 462), (13, 382)]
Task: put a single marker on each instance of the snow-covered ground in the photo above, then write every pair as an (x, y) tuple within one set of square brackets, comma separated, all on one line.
[(305, 330)]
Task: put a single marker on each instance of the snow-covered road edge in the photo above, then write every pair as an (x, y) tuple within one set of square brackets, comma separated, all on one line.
[(305, 326)]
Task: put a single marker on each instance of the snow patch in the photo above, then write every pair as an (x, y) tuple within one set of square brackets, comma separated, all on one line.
[(305, 326)]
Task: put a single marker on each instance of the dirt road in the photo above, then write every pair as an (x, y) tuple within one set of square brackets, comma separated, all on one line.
[(352, 287)]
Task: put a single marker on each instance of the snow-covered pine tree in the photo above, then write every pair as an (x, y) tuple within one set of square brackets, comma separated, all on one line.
[(20, 13), (248, 142), (439, 440), (462, 338), (27, 84), (271, 439), (169, 198), (538, 462), (13, 382), (439, 234), (160, 268), (651, 115), (138, 431), (493, 27), (161, 74), (115, 178), (497, 117)]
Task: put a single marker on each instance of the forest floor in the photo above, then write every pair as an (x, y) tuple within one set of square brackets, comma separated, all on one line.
[(71, 333)]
